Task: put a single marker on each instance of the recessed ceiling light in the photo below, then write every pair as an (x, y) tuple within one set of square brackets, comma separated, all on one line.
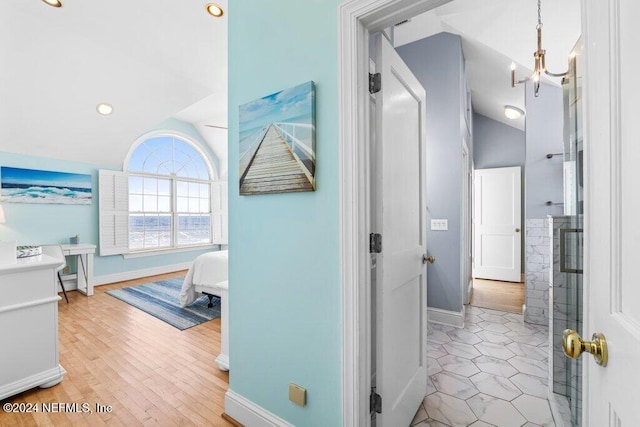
[(214, 10), (104, 108), (54, 3), (512, 112)]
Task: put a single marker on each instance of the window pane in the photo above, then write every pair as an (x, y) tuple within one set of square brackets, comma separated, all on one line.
[(194, 189), (194, 205), (151, 166), (204, 205), (151, 239), (135, 184), (183, 204), (182, 188), (164, 204), (204, 191), (194, 229), (150, 186), (135, 203), (136, 232), (150, 203), (164, 187)]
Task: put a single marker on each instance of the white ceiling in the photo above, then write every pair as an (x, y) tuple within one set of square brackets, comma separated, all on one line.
[(494, 33), (150, 59), (155, 59)]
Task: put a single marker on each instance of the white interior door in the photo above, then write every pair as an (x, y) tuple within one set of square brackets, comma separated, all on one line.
[(612, 227), (401, 293), (497, 224)]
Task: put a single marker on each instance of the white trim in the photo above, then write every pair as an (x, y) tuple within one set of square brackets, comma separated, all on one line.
[(249, 414), (177, 250), (137, 274), (355, 19), (446, 317)]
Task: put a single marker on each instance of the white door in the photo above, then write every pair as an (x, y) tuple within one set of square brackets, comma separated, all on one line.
[(612, 224), (401, 283), (497, 224)]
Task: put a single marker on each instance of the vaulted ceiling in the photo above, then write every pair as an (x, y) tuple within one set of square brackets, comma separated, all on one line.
[(150, 59), (156, 59), (494, 33)]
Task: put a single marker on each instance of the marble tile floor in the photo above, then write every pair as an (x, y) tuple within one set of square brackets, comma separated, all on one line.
[(492, 372)]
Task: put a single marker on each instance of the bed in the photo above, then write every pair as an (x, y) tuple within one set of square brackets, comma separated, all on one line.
[(208, 275)]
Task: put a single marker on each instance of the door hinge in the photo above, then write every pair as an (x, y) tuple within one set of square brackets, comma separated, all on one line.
[(375, 243), (375, 402), (375, 83)]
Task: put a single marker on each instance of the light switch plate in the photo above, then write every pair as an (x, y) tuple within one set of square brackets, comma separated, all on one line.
[(439, 224), (297, 394)]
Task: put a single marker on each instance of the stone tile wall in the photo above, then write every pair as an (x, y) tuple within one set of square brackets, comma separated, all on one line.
[(537, 271)]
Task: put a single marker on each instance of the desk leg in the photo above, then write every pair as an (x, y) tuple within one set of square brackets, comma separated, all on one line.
[(85, 274), (81, 273), (89, 267), (223, 358)]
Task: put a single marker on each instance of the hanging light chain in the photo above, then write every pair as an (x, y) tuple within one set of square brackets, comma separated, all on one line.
[(539, 17)]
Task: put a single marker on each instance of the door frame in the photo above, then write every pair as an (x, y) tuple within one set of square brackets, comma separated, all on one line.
[(356, 19), (466, 229)]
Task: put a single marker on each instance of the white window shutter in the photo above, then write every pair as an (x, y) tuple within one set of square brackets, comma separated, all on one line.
[(219, 212), (114, 212)]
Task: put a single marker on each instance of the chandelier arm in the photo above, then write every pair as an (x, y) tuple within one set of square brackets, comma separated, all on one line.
[(556, 74)]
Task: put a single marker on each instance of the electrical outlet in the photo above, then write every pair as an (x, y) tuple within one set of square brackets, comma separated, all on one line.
[(297, 394), (439, 224)]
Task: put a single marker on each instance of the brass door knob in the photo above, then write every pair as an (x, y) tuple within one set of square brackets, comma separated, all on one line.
[(574, 346), (428, 259)]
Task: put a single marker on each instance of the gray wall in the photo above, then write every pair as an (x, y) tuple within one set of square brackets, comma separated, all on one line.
[(544, 134), (499, 146), (496, 144), (438, 64)]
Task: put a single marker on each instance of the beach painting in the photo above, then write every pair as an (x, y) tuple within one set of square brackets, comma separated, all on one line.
[(277, 142), (37, 186)]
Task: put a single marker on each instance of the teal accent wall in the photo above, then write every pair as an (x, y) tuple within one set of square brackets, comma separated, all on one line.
[(285, 295), (33, 224)]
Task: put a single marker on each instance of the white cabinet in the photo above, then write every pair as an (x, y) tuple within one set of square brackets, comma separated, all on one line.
[(29, 325)]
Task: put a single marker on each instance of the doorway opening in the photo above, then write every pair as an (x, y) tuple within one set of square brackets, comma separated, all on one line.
[(373, 21)]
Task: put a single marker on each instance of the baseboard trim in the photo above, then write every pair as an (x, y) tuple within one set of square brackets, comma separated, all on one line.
[(446, 317), (248, 413), (137, 274)]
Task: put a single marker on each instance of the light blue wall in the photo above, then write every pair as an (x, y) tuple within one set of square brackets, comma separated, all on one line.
[(285, 296), (32, 224), (544, 134), (438, 63), (496, 144)]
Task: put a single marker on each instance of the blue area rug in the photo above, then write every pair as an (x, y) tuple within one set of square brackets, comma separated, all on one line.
[(162, 300)]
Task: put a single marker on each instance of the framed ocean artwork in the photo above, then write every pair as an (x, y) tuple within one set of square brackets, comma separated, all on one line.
[(277, 142), (38, 186)]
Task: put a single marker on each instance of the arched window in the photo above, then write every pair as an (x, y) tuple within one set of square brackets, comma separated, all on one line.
[(169, 194)]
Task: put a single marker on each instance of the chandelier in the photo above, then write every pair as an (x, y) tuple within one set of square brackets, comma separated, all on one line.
[(540, 66)]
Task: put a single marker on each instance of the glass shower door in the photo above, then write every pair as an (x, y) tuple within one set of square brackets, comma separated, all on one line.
[(571, 234)]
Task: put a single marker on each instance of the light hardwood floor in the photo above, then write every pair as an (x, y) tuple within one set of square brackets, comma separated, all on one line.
[(151, 373), (504, 296)]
